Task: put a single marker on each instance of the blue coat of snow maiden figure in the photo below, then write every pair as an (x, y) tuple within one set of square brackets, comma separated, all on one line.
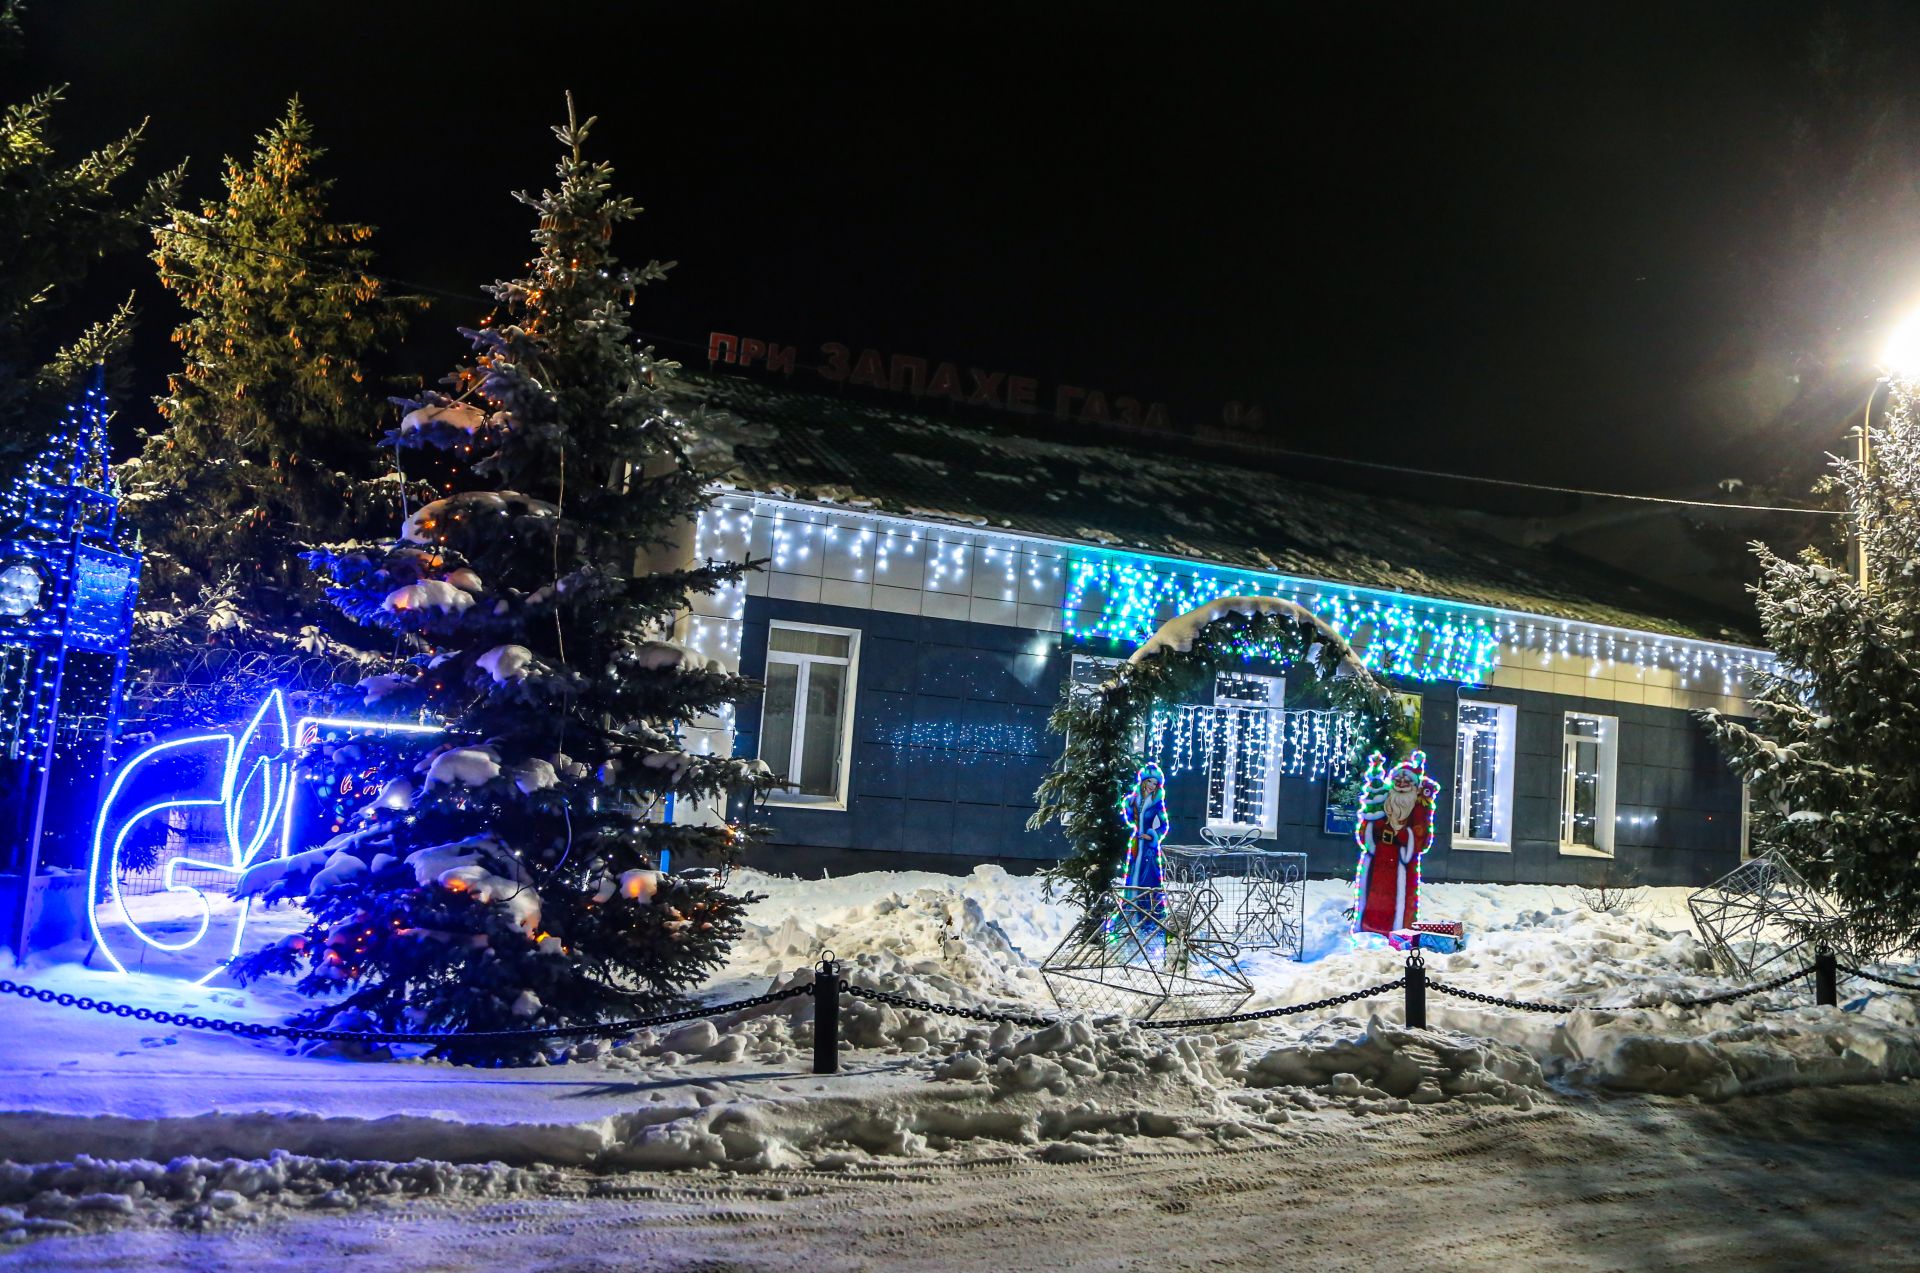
[(1145, 812)]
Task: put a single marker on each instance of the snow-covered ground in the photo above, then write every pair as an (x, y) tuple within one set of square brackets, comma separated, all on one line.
[(1819, 1178), (130, 1121)]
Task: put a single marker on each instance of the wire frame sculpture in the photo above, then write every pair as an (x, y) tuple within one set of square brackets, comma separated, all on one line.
[(1764, 915), (1263, 892), (1144, 963)]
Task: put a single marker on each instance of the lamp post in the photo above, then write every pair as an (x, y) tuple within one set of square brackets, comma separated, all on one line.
[(1862, 456)]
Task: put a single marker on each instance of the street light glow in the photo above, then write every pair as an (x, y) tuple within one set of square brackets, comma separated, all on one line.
[(1900, 356)]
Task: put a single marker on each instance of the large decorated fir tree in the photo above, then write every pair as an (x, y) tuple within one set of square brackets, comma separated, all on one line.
[(1832, 756), (508, 872), (265, 450)]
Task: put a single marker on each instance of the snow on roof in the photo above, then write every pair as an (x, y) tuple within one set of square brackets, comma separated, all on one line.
[(1038, 475)]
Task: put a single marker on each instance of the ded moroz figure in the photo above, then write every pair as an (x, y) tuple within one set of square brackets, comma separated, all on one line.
[(1395, 827)]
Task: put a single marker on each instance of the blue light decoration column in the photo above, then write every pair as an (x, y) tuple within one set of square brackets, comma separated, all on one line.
[(67, 593)]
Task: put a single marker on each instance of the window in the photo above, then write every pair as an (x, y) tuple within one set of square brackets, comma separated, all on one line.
[(1089, 670), (807, 713), (1483, 777), (1239, 739), (1588, 746)]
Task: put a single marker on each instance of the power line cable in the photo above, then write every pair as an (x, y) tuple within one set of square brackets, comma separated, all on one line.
[(1563, 490), (1407, 470)]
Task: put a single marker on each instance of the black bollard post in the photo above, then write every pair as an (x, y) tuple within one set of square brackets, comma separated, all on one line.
[(826, 1016), (1826, 978), (1416, 992)]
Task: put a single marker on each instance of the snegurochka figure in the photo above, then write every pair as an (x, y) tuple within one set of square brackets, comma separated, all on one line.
[(1144, 810)]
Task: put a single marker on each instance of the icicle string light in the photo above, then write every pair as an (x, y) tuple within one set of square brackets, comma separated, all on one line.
[(1107, 594), (1301, 744), (1124, 598)]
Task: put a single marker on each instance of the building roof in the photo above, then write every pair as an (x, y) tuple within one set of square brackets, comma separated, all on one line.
[(1037, 475)]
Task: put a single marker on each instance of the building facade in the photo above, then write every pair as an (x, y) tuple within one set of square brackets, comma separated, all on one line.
[(911, 662)]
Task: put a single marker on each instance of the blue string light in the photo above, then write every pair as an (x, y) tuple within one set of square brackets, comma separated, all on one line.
[(66, 612), (1126, 599), (248, 776)]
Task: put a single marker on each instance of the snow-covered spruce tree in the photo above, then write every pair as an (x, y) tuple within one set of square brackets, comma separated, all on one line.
[(1832, 755), (265, 450), (59, 217), (506, 874)]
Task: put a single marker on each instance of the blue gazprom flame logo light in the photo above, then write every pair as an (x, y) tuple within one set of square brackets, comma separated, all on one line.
[(248, 776)]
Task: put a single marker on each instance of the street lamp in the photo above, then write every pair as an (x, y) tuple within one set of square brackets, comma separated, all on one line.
[(1900, 356)]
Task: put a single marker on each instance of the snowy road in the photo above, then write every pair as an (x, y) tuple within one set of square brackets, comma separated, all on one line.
[(1804, 1180)]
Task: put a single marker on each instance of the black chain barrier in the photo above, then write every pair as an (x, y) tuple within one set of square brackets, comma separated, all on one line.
[(1885, 981), (828, 981), (257, 1030), (945, 1009), (1332, 1001), (1524, 1005), (1731, 995), (983, 1014)]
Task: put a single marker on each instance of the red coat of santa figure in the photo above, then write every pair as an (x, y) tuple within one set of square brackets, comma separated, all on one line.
[(1394, 828)]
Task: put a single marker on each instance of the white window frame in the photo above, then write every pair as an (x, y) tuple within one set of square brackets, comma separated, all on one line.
[(1269, 824), (794, 799), (1507, 718), (1608, 759)]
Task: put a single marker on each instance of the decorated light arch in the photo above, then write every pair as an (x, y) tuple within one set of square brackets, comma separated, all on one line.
[(1104, 725)]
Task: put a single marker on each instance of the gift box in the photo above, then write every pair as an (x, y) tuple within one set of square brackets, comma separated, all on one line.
[(1418, 938), (1443, 927)]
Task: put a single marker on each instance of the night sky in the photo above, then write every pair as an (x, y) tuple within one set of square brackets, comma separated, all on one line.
[(1642, 246)]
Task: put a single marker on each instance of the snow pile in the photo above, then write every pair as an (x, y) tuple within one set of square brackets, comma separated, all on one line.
[(1797, 1048), (533, 774), (374, 688), (1066, 1091), (457, 415), (947, 515), (504, 663), (464, 767), (430, 522), (428, 594), (1400, 1067), (660, 655), (90, 1193), (976, 939), (468, 866), (931, 943)]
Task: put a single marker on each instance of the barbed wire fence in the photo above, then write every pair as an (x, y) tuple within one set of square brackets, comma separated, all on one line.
[(829, 982)]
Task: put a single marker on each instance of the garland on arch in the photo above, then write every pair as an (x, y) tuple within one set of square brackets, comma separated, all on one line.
[(1102, 725)]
